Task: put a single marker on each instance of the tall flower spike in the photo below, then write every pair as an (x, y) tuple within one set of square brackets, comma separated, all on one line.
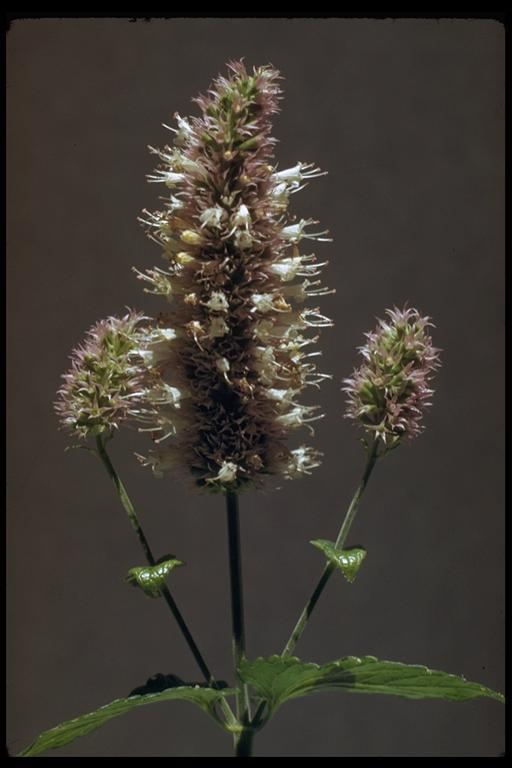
[(238, 320), (112, 380), (387, 395)]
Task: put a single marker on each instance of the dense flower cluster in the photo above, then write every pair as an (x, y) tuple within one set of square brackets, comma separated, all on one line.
[(111, 381), (236, 283), (389, 392)]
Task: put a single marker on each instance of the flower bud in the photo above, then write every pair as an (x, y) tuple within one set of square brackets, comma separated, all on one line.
[(191, 237), (388, 393), (106, 385)]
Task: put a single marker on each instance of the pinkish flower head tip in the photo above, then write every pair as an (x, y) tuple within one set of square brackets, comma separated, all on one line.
[(111, 380), (388, 393), (236, 283)]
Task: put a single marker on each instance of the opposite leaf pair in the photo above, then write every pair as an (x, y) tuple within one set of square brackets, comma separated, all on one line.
[(278, 679)]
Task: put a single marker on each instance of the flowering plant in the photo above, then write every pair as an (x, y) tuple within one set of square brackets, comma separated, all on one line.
[(217, 381)]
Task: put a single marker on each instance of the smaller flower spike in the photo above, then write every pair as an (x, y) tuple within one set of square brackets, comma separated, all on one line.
[(111, 380), (387, 394)]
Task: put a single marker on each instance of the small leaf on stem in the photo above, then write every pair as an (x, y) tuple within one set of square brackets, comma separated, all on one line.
[(347, 560), (151, 578)]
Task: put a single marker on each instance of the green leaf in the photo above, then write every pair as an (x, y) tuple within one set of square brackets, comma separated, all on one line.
[(347, 560), (278, 678), (151, 578), (62, 734)]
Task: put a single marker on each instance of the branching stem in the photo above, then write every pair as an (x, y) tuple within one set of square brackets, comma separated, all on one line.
[(330, 567), (166, 594), (340, 542)]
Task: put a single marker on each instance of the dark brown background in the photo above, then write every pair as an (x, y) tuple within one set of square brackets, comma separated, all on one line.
[(407, 116)]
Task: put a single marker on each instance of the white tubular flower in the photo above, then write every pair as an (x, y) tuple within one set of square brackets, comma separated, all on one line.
[(264, 331), (295, 232), (212, 217), (234, 361), (217, 302), (265, 364), (242, 217), (283, 396), (174, 204), (303, 460), (296, 417), (218, 328), (226, 475), (170, 178), (301, 291), (263, 302), (293, 178), (183, 132), (280, 194), (159, 281), (164, 394), (223, 367), (287, 268), (243, 240)]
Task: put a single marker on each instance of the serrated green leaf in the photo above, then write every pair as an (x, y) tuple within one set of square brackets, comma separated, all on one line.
[(278, 678), (151, 578), (347, 560), (70, 730)]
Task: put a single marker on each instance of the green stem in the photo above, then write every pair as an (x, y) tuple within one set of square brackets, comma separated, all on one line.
[(244, 738), (328, 570), (134, 520), (243, 745), (124, 499), (340, 541)]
